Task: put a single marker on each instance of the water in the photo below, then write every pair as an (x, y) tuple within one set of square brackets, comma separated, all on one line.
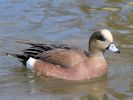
[(69, 22)]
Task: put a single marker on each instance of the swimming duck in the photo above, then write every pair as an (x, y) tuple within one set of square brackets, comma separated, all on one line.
[(68, 62)]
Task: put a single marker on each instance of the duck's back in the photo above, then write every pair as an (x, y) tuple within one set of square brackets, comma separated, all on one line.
[(63, 57), (57, 54)]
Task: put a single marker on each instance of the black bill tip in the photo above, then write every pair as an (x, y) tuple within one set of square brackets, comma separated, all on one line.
[(118, 52)]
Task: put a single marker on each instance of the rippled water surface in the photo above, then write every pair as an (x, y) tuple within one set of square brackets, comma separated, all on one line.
[(70, 22)]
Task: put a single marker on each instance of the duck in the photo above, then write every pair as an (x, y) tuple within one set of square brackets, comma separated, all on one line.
[(68, 62)]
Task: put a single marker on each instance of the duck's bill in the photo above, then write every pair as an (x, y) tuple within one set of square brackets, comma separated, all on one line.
[(113, 48)]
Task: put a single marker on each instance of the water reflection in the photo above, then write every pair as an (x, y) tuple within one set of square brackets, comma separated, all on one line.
[(85, 90)]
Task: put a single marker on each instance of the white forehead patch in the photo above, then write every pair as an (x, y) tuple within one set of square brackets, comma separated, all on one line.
[(107, 34)]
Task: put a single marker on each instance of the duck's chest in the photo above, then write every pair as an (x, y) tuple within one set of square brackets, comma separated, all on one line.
[(93, 68), (97, 68)]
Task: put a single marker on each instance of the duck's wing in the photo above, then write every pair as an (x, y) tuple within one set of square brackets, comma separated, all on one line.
[(63, 57), (43, 51), (37, 48)]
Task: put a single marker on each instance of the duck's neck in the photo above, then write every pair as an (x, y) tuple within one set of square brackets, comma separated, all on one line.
[(96, 53)]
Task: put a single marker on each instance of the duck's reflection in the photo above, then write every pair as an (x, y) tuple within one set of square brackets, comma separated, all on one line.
[(80, 90)]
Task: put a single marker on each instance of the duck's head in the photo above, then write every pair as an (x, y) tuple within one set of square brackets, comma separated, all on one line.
[(102, 40)]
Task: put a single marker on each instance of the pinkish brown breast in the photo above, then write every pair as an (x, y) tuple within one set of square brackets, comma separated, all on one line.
[(87, 69)]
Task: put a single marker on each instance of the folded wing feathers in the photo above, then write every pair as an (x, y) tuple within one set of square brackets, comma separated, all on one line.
[(35, 49)]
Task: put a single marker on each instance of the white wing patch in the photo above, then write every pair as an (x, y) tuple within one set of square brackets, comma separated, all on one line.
[(30, 63)]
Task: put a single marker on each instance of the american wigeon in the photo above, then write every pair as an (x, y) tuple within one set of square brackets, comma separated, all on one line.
[(67, 62)]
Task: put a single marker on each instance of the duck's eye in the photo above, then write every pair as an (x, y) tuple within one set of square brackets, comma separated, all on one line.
[(101, 38)]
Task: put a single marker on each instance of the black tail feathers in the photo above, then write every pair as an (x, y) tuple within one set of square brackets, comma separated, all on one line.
[(20, 56), (31, 52)]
